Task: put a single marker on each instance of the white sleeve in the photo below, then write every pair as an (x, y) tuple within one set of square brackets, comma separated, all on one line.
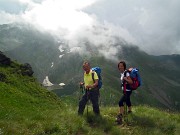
[(127, 74)]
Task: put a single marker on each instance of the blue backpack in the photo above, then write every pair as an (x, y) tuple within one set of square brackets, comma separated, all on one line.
[(135, 76), (98, 71)]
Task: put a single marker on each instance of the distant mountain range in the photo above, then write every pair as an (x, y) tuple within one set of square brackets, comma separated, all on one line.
[(49, 56)]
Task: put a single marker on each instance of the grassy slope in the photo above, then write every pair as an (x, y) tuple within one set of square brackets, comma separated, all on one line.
[(26, 108)]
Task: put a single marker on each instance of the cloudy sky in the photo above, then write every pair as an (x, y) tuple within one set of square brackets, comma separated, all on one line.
[(153, 25)]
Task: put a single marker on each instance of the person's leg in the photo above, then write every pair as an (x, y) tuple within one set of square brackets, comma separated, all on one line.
[(128, 101), (82, 104), (121, 105), (94, 97), (121, 110)]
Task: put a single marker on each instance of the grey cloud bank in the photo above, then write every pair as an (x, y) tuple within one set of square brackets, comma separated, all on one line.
[(154, 24)]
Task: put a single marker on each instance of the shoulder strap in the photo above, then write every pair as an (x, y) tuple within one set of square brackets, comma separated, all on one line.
[(124, 82), (125, 73), (93, 77)]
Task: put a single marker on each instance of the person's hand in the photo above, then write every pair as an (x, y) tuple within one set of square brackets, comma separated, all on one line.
[(81, 84), (125, 78), (89, 86)]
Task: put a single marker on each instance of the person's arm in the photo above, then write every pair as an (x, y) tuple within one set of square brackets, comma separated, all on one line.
[(128, 80), (95, 84)]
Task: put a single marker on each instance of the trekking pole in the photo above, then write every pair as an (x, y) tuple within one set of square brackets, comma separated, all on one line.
[(87, 92), (80, 93), (125, 113), (81, 89)]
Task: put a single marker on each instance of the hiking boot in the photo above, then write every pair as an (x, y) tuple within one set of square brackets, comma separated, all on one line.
[(129, 112), (119, 119)]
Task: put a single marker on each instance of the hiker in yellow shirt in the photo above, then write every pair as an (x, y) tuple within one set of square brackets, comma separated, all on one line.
[(92, 91)]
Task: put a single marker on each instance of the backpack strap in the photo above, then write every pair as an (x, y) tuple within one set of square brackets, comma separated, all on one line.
[(94, 82), (93, 76), (124, 82)]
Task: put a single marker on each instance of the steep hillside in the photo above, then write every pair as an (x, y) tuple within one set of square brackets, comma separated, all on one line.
[(26, 108), (160, 74)]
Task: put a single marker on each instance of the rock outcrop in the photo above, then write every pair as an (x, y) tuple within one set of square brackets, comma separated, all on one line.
[(4, 60)]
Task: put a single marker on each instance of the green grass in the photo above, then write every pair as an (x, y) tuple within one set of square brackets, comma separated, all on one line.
[(26, 108)]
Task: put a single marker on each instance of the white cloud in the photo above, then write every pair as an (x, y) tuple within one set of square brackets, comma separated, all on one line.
[(7, 17), (56, 14)]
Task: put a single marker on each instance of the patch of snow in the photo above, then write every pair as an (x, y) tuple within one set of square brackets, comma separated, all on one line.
[(52, 64), (75, 49), (60, 48), (60, 56), (46, 82), (62, 84)]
